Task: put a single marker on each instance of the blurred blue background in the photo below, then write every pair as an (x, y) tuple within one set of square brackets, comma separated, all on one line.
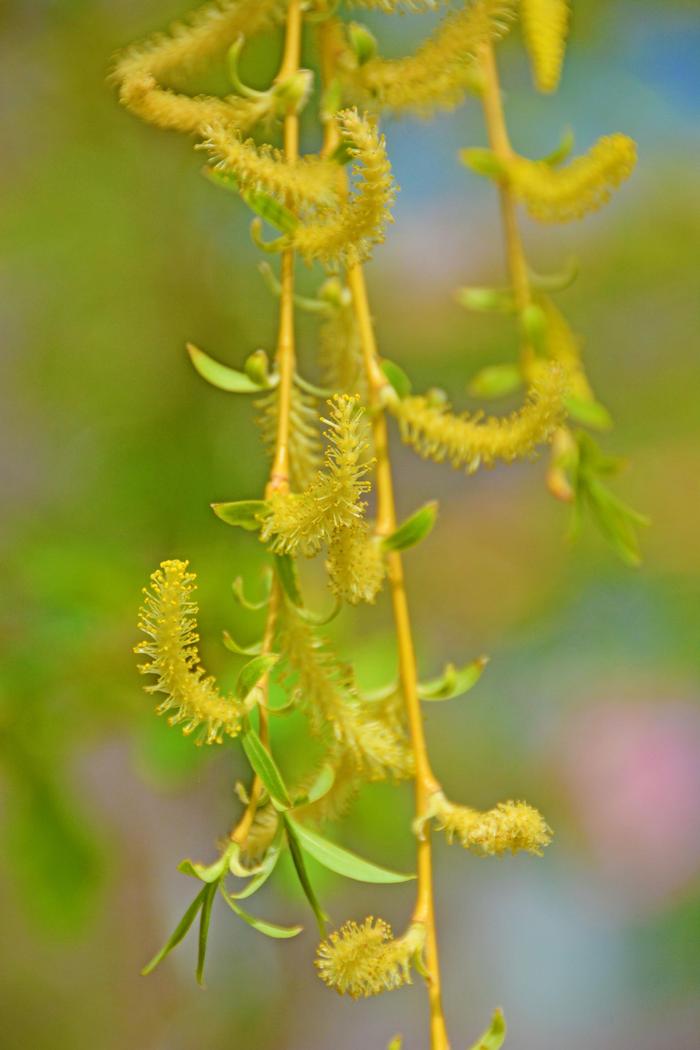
[(114, 252)]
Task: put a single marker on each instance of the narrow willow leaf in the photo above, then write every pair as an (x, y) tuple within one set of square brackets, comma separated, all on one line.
[(203, 872), (555, 282), (342, 861), (253, 671), (413, 529), (589, 413), (221, 376), (204, 923), (241, 650), (263, 871), (288, 577), (397, 377), (486, 300), (264, 765), (320, 619), (494, 1036), (270, 929), (321, 786), (302, 874), (533, 321), (482, 161), (560, 152), (454, 681), (265, 206), (178, 933), (240, 595), (245, 513), (495, 381)]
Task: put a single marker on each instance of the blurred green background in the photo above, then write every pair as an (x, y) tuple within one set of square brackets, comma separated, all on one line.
[(114, 252)]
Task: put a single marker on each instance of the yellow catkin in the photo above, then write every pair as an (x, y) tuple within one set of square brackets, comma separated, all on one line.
[(442, 69), (470, 441), (364, 959), (305, 455), (370, 738), (511, 827), (346, 232), (306, 183), (563, 347), (340, 351), (147, 72), (168, 617), (570, 192), (545, 26), (356, 566), (303, 522)]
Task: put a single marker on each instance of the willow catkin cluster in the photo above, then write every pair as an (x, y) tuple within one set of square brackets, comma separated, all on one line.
[(545, 26), (147, 71), (442, 69), (303, 522), (572, 191), (469, 441), (510, 827), (365, 959), (169, 618), (305, 453)]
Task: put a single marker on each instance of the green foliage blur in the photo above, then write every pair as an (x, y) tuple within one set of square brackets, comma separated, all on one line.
[(115, 252)]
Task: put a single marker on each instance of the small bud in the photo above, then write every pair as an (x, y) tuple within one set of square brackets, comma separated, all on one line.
[(362, 41), (534, 325), (436, 397), (257, 367), (293, 92), (332, 292)]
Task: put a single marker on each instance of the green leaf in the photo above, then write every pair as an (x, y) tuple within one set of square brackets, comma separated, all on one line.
[(397, 377), (264, 870), (533, 321), (288, 577), (270, 929), (321, 786), (560, 153), (253, 671), (362, 41), (454, 681), (206, 873), (178, 933), (494, 1036), (413, 529), (342, 861), (320, 619), (487, 300), (221, 376), (589, 413), (264, 765), (495, 381), (204, 923), (241, 650), (240, 596), (261, 203), (244, 513), (555, 282), (302, 874), (482, 161)]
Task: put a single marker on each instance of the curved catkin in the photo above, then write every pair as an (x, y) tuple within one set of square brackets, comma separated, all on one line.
[(545, 26), (442, 69), (347, 231), (470, 441), (147, 71), (570, 192), (362, 960), (510, 827), (356, 566), (168, 617)]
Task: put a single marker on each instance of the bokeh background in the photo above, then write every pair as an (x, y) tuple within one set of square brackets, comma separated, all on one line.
[(114, 252)]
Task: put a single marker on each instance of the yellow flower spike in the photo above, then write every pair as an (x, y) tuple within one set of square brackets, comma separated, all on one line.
[(572, 191), (303, 522), (364, 960), (469, 441), (168, 617), (510, 827), (356, 565), (545, 26)]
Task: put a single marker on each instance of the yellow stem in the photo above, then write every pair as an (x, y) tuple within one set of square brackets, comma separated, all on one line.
[(425, 783), (500, 144), (285, 358)]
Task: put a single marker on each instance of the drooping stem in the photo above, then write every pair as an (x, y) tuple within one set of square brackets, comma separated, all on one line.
[(500, 144), (286, 363), (425, 782)]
